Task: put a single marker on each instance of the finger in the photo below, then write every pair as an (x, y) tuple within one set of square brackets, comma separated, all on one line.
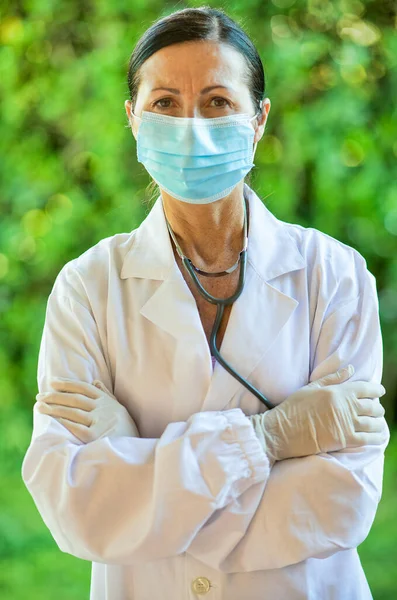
[(80, 431), (97, 383), (369, 407), (72, 414), (365, 389), (339, 376), (70, 385), (369, 424), (67, 399), (331, 379), (369, 439)]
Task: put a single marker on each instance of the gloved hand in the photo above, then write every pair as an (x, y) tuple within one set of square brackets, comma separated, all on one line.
[(88, 411), (323, 416)]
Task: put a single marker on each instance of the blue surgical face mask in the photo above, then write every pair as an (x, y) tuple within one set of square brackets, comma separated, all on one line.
[(196, 160)]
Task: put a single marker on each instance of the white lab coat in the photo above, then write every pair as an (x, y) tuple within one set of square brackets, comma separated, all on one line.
[(193, 497)]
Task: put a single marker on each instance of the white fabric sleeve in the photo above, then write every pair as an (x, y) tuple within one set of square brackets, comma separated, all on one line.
[(314, 506), (125, 500)]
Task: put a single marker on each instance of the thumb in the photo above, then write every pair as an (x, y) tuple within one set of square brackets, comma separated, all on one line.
[(333, 378), (99, 384)]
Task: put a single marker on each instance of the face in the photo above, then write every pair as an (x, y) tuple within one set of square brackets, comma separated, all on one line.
[(189, 68)]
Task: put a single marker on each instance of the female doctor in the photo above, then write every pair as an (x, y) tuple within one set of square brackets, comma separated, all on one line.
[(255, 475)]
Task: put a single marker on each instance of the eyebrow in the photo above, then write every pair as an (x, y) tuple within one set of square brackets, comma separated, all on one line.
[(203, 91)]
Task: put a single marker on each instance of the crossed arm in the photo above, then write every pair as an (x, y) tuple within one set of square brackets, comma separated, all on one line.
[(205, 487)]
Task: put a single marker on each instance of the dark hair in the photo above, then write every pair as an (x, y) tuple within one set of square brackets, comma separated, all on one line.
[(202, 23)]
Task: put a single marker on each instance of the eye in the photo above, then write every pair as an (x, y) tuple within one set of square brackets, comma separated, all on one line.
[(157, 103), (223, 100), (162, 100)]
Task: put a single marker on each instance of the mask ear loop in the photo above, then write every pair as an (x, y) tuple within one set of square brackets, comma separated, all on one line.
[(136, 116), (259, 112), (130, 120)]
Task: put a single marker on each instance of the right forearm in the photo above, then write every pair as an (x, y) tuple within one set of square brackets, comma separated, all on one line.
[(117, 500)]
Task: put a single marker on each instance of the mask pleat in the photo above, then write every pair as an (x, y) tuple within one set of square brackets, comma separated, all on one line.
[(196, 159)]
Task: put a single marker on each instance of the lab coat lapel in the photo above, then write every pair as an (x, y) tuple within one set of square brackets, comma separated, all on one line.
[(170, 306), (256, 318), (261, 311)]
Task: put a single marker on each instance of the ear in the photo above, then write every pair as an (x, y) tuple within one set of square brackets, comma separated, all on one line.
[(127, 106), (130, 117), (262, 120)]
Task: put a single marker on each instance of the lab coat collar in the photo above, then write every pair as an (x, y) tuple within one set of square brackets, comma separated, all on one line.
[(256, 318), (271, 250)]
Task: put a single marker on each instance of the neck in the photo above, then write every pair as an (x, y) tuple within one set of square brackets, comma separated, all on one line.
[(209, 234)]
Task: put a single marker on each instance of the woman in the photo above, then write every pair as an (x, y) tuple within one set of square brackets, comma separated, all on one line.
[(175, 480)]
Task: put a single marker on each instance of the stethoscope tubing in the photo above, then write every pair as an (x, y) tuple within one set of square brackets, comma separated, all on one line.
[(220, 306)]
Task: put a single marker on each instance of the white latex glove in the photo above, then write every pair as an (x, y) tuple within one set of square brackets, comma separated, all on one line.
[(88, 411), (323, 416)]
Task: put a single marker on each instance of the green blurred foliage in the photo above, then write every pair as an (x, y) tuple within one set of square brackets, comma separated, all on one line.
[(69, 177)]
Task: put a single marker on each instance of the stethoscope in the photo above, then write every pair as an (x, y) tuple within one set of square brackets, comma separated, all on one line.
[(222, 302)]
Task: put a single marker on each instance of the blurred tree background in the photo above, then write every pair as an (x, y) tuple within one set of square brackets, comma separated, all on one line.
[(70, 177)]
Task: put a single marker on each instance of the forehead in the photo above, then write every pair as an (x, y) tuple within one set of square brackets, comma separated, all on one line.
[(194, 61)]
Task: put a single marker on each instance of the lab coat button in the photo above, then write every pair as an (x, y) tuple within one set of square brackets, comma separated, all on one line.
[(201, 585)]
